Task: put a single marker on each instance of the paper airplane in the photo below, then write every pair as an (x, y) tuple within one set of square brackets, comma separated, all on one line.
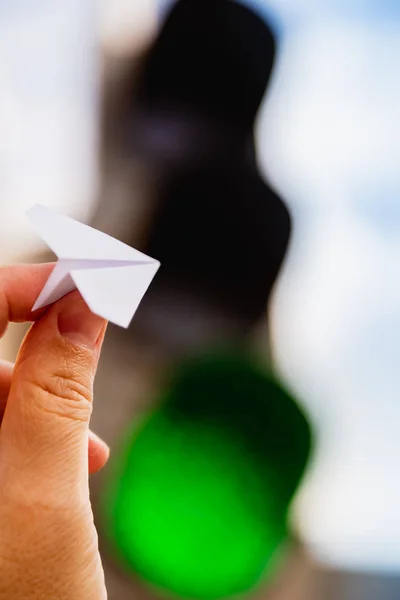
[(111, 276)]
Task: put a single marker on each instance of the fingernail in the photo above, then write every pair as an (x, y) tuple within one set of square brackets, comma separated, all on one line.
[(78, 324)]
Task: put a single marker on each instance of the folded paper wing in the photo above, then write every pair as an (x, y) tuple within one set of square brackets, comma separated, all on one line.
[(111, 276)]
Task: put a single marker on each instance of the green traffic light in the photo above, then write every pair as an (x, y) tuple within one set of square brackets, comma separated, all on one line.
[(198, 502)]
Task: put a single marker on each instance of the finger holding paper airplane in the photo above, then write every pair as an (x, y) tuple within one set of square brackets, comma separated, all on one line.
[(111, 276), (44, 445)]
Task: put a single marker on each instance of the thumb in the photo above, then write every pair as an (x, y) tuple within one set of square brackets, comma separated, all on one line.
[(44, 433)]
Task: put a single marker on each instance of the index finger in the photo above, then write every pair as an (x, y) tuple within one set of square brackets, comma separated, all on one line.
[(20, 285)]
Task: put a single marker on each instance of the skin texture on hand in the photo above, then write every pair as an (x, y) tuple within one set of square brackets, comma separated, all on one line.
[(98, 451), (48, 542)]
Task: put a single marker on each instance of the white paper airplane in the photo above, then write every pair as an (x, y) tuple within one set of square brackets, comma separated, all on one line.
[(111, 276)]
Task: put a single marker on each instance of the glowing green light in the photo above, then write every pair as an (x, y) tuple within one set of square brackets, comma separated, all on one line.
[(197, 508)]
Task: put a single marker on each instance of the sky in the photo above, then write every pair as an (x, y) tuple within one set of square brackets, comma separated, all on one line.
[(328, 138), (48, 113)]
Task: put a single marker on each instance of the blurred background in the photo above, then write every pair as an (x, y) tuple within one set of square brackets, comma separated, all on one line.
[(252, 408)]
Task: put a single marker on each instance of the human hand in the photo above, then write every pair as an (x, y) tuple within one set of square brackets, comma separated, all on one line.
[(48, 542)]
